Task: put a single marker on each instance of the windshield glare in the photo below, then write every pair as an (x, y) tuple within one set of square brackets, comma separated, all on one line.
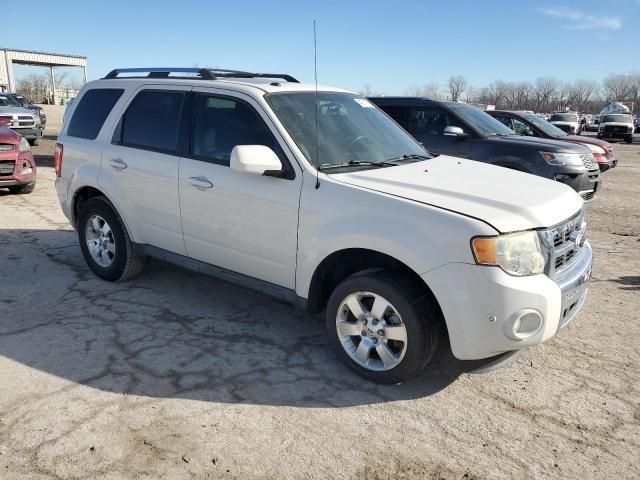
[(481, 122), (563, 117), (350, 128), (545, 126), (617, 118), (6, 101)]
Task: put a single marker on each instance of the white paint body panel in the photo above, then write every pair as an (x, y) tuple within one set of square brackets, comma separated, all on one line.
[(279, 230)]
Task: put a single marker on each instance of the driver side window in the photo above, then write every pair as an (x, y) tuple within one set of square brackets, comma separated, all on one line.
[(521, 128), (430, 121), (221, 123)]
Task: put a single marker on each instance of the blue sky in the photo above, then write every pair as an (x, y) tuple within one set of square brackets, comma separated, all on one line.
[(389, 45)]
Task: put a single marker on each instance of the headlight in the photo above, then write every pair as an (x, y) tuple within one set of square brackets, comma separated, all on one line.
[(518, 254), (24, 145), (563, 159), (595, 148)]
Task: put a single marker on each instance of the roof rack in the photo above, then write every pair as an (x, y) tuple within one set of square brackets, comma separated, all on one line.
[(200, 73)]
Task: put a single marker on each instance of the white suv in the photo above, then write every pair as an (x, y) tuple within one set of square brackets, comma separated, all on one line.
[(317, 195)]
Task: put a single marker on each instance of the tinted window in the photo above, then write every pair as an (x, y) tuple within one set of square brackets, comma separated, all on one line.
[(221, 123), (397, 113), (521, 128), (506, 121), (92, 111), (427, 120), (152, 120)]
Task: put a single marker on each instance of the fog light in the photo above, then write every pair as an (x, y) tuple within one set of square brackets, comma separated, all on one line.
[(523, 324)]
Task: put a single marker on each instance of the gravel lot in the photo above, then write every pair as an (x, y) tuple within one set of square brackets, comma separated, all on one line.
[(177, 375)]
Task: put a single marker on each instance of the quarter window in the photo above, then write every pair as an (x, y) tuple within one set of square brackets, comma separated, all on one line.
[(221, 123), (93, 109), (152, 121)]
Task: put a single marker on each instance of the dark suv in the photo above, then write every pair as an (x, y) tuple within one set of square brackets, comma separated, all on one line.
[(462, 130)]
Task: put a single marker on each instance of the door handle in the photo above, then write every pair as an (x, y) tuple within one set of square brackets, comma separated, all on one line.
[(200, 182), (117, 163)]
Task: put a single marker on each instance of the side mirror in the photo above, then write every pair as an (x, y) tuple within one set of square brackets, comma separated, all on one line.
[(256, 159), (454, 132)]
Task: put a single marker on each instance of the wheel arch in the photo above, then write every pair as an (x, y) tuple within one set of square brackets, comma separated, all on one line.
[(87, 192), (339, 265)]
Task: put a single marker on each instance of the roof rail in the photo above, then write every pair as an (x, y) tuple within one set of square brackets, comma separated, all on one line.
[(201, 73)]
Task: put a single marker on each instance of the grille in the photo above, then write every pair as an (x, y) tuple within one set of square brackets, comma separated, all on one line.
[(6, 167), (588, 195), (615, 129), (565, 128), (562, 242), (26, 121), (589, 161)]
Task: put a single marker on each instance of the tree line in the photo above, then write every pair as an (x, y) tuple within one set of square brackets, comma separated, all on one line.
[(546, 94)]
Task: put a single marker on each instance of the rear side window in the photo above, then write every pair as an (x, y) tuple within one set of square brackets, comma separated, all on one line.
[(152, 121), (92, 111)]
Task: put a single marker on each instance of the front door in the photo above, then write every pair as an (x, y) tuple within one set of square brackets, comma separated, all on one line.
[(238, 221)]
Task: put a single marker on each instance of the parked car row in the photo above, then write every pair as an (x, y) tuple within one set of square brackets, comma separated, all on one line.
[(461, 130), (25, 121), (315, 196)]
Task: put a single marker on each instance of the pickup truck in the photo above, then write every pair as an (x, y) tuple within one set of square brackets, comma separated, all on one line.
[(313, 195), (22, 120)]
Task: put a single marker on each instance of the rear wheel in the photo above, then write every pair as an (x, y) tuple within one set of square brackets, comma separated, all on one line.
[(105, 243), (382, 326), (22, 189)]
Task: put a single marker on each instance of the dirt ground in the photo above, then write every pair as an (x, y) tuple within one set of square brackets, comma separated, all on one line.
[(176, 375)]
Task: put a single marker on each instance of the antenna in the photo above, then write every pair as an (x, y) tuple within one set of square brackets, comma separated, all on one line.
[(315, 69)]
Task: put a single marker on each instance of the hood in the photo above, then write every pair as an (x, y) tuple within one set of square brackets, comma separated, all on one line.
[(543, 144), (506, 199), (606, 146), (15, 111), (8, 136)]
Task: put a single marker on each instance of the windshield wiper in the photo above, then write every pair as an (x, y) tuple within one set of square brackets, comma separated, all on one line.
[(410, 156), (355, 163)]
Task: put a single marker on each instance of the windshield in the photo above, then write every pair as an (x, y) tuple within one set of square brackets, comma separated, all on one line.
[(481, 122), (6, 101), (350, 128), (563, 117), (545, 126), (617, 118)]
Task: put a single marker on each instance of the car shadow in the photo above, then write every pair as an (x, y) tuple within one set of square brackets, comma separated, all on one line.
[(629, 283), (174, 333)]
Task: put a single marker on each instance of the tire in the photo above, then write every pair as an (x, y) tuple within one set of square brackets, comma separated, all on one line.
[(628, 139), (34, 142), (407, 307), (117, 260), (22, 189)]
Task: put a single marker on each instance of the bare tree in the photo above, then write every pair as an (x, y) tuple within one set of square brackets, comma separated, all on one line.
[(368, 91), (430, 90), (617, 87), (457, 85), (544, 90), (580, 93), (33, 86)]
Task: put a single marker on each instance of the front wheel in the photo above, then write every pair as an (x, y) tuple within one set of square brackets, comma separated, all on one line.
[(382, 326), (628, 139), (105, 243), (34, 142)]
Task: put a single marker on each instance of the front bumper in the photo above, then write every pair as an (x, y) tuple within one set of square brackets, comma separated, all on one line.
[(24, 170), (29, 133), (482, 305), (586, 183)]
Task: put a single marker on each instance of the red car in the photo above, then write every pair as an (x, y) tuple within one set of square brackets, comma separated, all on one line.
[(530, 124), (17, 167)]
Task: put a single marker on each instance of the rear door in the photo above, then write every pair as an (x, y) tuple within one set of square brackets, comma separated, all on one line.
[(427, 123), (140, 165), (238, 221)]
